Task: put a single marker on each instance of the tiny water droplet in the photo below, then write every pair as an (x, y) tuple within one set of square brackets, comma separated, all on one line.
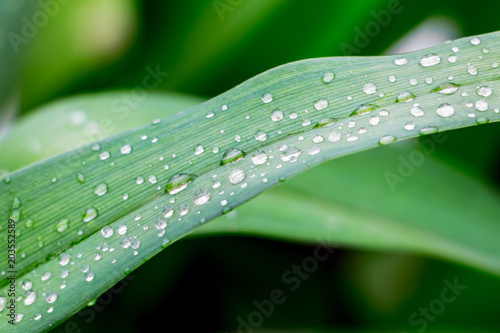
[(260, 136), (386, 139), (405, 96), (328, 77), (126, 149), (267, 98), (62, 225), (321, 104), (363, 109), (259, 157), (277, 115), (369, 88), (201, 197), (428, 130), (446, 88), (101, 189)]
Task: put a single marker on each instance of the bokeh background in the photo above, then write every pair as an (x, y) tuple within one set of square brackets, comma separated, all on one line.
[(207, 47)]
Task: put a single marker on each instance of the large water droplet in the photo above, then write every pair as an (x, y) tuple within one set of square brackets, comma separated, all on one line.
[(445, 110), (481, 105), (405, 96), (430, 59), (446, 88), (484, 91), (416, 111), (179, 182), (232, 155), (363, 109)]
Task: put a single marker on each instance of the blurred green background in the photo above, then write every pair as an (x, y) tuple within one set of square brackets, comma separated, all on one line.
[(207, 47)]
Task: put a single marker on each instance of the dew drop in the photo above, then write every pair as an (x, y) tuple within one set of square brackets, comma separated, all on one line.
[(328, 77), (363, 109), (321, 104), (445, 110), (260, 136), (416, 111), (481, 105), (259, 157), (334, 137), (62, 225), (484, 91), (400, 61), (428, 130), (107, 232), (446, 88), (80, 177), (198, 149), (482, 120), (51, 297), (430, 59), (104, 155), (232, 155), (386, 139), (405, 96), (290, 154), (90, 214), (267, 98), (179, 182), (101, 189), (29, 297), (277, 115), (236, 176), (126, 149), (201, 197), (369, 88)]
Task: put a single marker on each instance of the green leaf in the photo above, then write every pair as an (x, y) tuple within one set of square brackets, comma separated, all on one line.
[(90, 216)]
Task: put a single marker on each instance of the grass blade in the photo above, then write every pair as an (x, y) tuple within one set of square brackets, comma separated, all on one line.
[(66, 207)]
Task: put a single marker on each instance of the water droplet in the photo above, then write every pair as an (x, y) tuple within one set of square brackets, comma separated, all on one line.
[(161, 224), (80, 177), (97, 256), (104, 155), (126, 149), (45, 276), (409, 126), (290, 154), (334, 136), (89, 277), (179, 182), (472, 70), (139, 180), (484, 91), (416, 111), (267, 98), (62, 225), (482, 120), (446, 88), (325, 122), (29, 297), (386, 139), (198, 149), (328, 77), (101, 189), (445, 110), (90, 214), (430, 59), (232, 155), (369, 88), (405, 96), (236, 176), (259, 157), (313, 150), (363, 109), (201, 197), (428, 130), (400, 61), (64, 259), (374, 121), (26, 285), (260, 136), (318, 139), (481, 105), (183, 209), (321, 104), (107, 232), (475, 41), (277, 115), (351, 137)]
